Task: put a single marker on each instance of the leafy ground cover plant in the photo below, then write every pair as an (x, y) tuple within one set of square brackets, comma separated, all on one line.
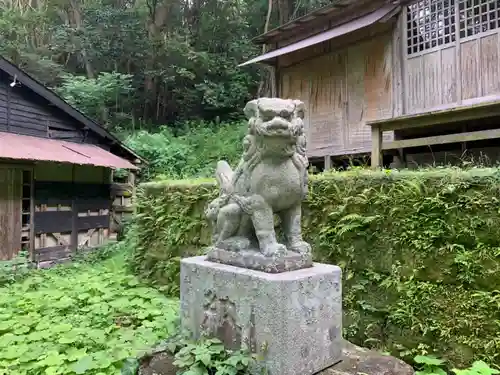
[(104, 252), (15, 269), (80, 319), (430, 365), (207, 356), (477, 368)]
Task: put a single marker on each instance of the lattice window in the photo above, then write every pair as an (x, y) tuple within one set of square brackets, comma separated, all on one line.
[(478, 16), (430, 23)]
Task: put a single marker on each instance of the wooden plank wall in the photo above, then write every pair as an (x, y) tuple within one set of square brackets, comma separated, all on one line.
[(72, 210), (295, 84), (93, 210), (122, 196), (23, 112), (10, 212), (463, 72), (342, 90), (53, 216)]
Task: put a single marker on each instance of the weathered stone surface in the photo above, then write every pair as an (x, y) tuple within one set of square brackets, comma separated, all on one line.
[(236, 244), (159, 364), (293, 319), (271, 178), (255, 260), (355, 361)]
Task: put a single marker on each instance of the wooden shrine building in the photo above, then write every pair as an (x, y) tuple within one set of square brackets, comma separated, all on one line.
[(55, 172), (417, 82)]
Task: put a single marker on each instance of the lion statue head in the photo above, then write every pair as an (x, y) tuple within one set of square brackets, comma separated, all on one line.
[(276, 125)]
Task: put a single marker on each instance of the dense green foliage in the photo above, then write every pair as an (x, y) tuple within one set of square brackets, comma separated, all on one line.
[(80, 319), (99, 97), (429, 365), (137, 63), (193, 151), (419, 251)]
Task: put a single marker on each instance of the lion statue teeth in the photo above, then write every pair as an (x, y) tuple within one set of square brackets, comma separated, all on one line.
[(271, 178)]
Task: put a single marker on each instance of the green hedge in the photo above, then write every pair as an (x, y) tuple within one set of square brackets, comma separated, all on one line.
[(420, 251)]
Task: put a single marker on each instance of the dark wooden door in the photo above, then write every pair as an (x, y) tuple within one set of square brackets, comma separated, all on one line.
[(10, 212), (69, 217), (53, 221)]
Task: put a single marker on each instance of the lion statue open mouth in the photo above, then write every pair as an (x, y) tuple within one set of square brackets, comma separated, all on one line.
[(271, 178), (276, 124)]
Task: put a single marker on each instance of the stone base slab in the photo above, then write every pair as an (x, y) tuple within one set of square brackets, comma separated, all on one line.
[(355, 361), (255, 260), (293, 320)]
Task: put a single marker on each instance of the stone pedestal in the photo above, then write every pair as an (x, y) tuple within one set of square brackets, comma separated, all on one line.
[(292, 319)]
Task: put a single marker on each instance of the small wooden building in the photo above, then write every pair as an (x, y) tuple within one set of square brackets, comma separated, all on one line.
[(415, 80), (55, 172)]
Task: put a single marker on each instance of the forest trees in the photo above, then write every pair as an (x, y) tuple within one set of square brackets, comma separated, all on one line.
[(143, 62)]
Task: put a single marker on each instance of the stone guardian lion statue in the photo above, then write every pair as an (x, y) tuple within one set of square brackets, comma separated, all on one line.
[(271, 178)]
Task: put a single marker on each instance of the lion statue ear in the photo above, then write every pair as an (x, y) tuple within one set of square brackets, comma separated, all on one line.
[(251, 109), (299, 108)]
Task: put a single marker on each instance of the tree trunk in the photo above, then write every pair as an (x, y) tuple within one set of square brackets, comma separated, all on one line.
[(285, 10), (76, 19), (193, 20), (158, 13), (267, 80)]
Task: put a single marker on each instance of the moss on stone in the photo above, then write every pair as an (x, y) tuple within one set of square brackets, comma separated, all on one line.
[(420, 251)]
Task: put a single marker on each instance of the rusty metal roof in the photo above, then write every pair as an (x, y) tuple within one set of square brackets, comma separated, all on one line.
[(336, 32), (84, 121), (23, 147)]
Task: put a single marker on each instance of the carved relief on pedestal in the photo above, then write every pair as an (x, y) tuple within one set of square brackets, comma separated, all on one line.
[(219, 320)]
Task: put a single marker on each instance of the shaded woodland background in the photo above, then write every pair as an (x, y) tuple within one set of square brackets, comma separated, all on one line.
[(140, 64)]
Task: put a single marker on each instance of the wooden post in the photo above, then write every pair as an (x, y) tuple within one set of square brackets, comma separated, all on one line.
[(402, 157), (131, 182), (376, 146), (274, 84), (464, 144), (74, 212), (328, 162), (32, 215)]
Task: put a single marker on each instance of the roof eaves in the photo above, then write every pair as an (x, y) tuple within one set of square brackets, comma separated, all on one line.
[(60, 103), (382, 14), (25, 147), (300, 21)]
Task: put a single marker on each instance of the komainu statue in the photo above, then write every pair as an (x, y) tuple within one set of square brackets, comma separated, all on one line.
[(271, 178)]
